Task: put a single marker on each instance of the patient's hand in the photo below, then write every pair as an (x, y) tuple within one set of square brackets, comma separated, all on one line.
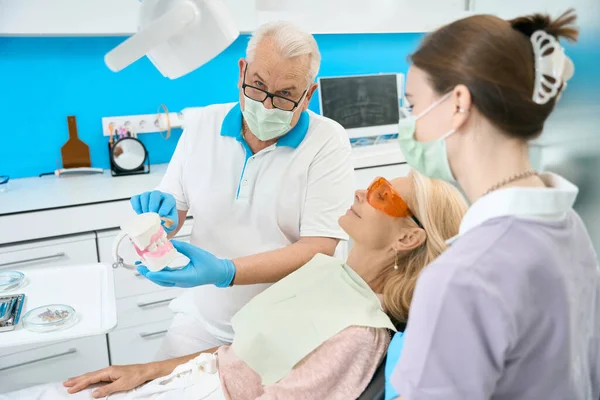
[(119, 379)]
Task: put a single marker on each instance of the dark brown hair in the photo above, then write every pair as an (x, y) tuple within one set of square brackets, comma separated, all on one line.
[(494, 59)]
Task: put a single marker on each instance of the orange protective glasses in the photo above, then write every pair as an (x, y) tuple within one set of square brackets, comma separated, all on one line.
[(382, 196)]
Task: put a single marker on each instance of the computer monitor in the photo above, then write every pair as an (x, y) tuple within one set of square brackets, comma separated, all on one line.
[(366, 105)]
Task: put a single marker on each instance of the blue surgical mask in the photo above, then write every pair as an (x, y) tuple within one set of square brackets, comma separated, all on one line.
[(429, 158)]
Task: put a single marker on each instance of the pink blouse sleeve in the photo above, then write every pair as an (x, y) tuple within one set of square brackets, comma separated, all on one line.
[(341, 368)]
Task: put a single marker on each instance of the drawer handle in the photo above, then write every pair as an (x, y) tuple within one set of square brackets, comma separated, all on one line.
[(151, 334), (42, 258), (154, 303), (66, 353)]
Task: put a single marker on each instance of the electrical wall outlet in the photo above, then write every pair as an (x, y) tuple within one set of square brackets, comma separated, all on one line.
[(143, 123)]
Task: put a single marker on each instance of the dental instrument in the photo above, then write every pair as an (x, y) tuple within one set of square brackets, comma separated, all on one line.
[(10, 311)]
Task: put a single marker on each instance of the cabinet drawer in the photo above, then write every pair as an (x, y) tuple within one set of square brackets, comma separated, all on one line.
[(127, 281), (151, 307), (56, 362), (80, 249), (138, 344)]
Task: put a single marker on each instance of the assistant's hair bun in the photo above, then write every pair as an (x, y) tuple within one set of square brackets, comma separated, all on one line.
[(562, 27)]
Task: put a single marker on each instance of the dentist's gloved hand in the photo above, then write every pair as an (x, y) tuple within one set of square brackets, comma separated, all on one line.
[(203, 269), (158, 202)]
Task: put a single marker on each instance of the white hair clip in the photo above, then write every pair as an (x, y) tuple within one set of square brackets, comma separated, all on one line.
[(552, 67)]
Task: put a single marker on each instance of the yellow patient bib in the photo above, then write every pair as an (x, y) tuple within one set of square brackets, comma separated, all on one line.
[(283, 324)]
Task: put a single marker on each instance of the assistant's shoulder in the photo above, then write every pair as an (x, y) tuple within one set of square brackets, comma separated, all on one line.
[(468, 249), (498, 257)]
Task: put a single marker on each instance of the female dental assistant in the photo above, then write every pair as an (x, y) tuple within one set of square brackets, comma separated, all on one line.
[(511, 309)]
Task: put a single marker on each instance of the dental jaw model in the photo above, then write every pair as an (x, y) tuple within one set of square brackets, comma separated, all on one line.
[(149, 240)]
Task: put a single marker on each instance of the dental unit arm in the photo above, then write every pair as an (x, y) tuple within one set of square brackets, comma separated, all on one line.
[(178, 36)]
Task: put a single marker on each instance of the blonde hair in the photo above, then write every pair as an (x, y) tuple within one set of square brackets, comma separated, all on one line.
[(440, 208), (291, 42)]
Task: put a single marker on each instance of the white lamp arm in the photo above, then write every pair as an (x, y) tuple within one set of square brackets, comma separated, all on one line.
[(168, 25)]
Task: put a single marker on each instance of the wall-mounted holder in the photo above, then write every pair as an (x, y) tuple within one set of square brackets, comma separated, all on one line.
[(144, 123), (128, 156)]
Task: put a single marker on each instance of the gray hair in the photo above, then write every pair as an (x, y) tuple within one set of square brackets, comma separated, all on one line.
[(290, 41)]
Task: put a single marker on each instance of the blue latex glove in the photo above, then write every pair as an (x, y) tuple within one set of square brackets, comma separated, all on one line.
[(393, 356), (156, 201), (203, 269)]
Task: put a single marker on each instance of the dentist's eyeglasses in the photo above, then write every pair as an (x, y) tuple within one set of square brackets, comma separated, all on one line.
[(382, 196), (260, 95)]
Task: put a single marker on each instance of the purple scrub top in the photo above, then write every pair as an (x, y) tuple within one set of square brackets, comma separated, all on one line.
[(511, 310)]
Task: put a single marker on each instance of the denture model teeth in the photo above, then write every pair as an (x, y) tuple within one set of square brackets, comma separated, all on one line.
[(157, 251)]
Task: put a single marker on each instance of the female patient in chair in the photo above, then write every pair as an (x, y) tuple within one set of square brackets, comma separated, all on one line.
[(319, 333)]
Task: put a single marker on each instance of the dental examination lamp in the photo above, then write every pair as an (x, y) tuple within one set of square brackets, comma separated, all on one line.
[(178, 36)]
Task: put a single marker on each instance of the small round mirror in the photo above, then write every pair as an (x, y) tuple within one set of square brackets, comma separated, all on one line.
[(129, 154)]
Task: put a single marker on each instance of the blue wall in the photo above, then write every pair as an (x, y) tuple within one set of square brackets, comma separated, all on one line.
[(42, 80)]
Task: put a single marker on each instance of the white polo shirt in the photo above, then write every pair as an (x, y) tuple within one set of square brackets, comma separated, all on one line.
[(245, 203)]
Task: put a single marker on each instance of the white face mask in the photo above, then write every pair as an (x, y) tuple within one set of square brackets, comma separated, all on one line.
[(267, 124)]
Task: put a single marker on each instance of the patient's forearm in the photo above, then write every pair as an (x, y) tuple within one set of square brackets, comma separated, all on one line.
[(163, 368)]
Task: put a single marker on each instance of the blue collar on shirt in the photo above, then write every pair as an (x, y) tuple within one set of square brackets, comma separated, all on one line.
[(232, 127)]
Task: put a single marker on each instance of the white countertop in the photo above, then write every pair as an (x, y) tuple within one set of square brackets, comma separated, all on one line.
[(38, 208), (49, 192)]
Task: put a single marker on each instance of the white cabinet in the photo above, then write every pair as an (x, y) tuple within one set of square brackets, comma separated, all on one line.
[(91, 17), (77, 249), (68, 17), (145, 308), (25, 366), (33, 365), (588, 11), (357, 16), (137, 344), (119, 17)]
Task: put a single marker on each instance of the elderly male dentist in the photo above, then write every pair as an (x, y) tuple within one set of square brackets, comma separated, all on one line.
[(265, 180)]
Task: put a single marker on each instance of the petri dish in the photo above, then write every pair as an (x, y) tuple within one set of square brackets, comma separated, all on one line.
[(49, 318), (10, 280)]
